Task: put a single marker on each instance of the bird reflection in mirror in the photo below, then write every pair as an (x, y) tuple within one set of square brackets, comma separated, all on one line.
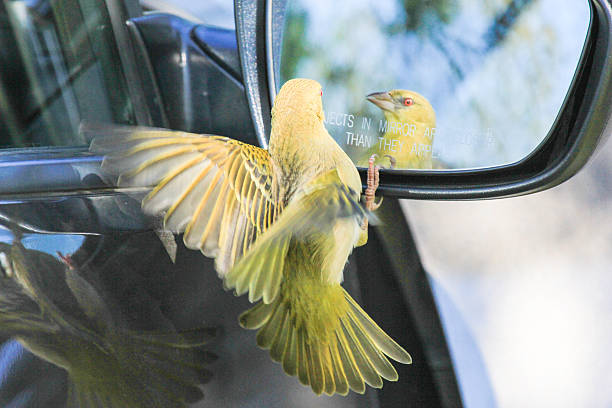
[(408, 130), (48, 305), (280, 224)]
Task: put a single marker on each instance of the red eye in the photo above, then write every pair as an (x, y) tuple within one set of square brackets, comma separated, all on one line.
[(408, 101), (321, 92)]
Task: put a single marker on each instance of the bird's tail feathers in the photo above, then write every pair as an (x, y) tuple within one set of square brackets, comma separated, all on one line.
[(347, 353)]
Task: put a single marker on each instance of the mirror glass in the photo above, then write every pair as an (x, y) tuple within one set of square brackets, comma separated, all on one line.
[(439, 84)]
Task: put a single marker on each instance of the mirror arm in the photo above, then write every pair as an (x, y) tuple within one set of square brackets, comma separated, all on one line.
[(251, 35)]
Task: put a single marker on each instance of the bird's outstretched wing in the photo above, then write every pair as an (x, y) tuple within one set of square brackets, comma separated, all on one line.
[(216, 190), (314, 212)]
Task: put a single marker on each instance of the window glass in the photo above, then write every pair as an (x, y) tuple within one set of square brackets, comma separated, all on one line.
[(57, 69), (487, 78), (218, 13)]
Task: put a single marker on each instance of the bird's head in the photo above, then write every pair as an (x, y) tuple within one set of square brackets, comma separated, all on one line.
[(400, 105), (299, 96)]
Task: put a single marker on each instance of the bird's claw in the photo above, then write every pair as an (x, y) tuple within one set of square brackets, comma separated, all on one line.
[(375, 206), (392, 160)]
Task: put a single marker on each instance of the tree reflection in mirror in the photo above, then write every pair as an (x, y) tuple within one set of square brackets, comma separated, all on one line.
[(492, 75)]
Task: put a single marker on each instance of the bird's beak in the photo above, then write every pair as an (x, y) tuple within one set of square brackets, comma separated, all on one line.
[(383, 100)]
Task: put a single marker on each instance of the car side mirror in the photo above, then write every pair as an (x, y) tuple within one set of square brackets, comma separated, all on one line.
[(509, 100)]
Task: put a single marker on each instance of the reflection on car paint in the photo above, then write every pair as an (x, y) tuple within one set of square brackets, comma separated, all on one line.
[(110, 336)]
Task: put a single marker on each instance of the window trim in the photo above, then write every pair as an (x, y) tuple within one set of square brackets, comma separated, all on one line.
[(20, 168)]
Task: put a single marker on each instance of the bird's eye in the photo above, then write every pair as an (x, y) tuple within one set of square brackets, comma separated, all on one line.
[(321, 93), (408, 101)]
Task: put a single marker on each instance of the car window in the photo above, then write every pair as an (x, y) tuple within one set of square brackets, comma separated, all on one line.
[(58, 67)]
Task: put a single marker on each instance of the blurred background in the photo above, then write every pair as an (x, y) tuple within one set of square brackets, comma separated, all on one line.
[(529, 280)]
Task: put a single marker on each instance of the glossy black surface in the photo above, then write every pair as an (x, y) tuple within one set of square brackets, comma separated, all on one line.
[(197, 75), (82, 303)]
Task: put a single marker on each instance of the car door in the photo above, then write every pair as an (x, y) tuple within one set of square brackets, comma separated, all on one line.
[(93, 287)]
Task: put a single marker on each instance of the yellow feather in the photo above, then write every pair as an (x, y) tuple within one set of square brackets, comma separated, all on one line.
[(327, 364), (338, 370), (212, 224), (266, 335), (258, 218), (248, 234), (248, 202), (164, 155), (257, 316), (228, 229), (258, 274), (236, 248), (371, 353), (302, 359), (195, 225), (290, 358), (185, 194), (314, 368), (280, 341), (378, 336), (353, 376), (171, 176), (369, 375)]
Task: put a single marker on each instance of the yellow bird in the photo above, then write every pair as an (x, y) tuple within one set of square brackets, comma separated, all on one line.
[(409, 129), (281, 224)]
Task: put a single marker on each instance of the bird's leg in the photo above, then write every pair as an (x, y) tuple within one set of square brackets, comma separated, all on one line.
[(370, 191)]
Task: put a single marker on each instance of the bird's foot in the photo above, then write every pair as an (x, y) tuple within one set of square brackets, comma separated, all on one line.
[(370, 191)]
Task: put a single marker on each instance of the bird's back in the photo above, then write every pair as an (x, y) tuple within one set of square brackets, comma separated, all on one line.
[(302, 149)]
